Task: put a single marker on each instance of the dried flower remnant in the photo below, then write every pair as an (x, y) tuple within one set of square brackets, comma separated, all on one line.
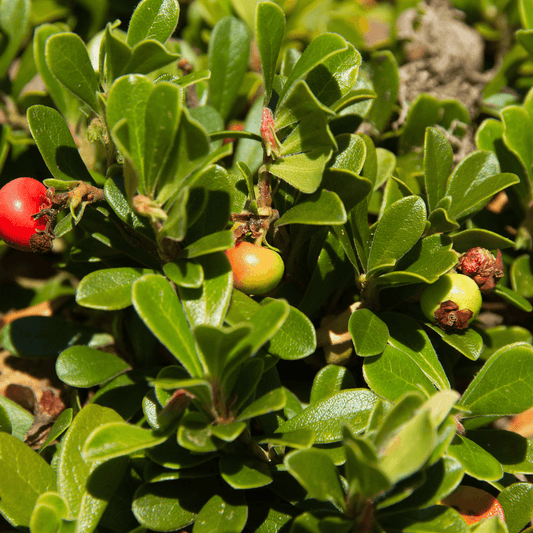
[(481, 265)]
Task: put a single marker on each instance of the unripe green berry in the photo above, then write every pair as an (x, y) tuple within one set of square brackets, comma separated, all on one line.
[(449, 296)]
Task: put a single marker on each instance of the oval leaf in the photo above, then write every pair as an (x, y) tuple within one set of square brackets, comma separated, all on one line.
[(369, 333)]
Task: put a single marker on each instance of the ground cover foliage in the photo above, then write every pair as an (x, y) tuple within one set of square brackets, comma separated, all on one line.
[(371, 144)]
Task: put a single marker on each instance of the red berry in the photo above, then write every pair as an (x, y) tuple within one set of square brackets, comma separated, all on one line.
[(474, 504), (19, 200), (256, 270)]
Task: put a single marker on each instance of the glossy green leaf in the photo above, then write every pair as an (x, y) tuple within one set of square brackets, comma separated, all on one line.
[(153, 19), (521, 274), (517, 503), (57, 147), (386, 82), (329, 380), (514, 452), (303, 171), (475, 460), (188, 274), (437, 519), (513, 298), (318, 51), (117, 439), (19, 419), (148, 56), (518, 135), (397, 231), (162, 118), (215, 242), (298, 439), (209, 303), (438, 160), (14, 27), (40, 336), (48, 513), (321, 208), (311, 132), (526, 14), (351, 153), (86, 501), (409, 449), (127, 101), (5, 422), (424, 111), (326, 417), (222, 514), (300, 102), (270, 27), (69, 62), (194, 433), (244, 472), (63, 99), (510, 368), (171, 505), (316, 472), (394, 372), (108, 289), (474, 181), (158, 306), (369, 333), (273, 400), (84, 367), (60, 425), (470, 238), (229, 47), (406, 335), (25, 476), (468, 342)]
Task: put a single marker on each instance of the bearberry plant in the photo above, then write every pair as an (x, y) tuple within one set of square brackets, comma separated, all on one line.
[(284, 252)]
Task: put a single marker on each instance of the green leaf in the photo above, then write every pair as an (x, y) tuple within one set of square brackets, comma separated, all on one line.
[(517, 503), (311, 132), (469, 342), (215, 242), (116, 439), (475, 460), (513, 298), (303, 171), (148, 56), (163, 113), (86, 501), (320, 49), (229, 47), (14, 27), (61, 424), (424, 111), (317, 474), (108, 289), (84, 367), (410, 448), (171, 505), (188, 274), (153, 19), (386, 81), (406, 335), (398, 230), (329, 380), (65, 102), (269, 30), (438, 161), (126, 107), (514, 452), (42, 337), (299, 439), (521, 274), (244, 472), (369, 333), (470, 238), (517, 135), (57, 147), (48, 513), (473, 183), (321, 208), (5, 422), (351, 153), (222, 514), (273, 400), (158, 306), (526, 14), (20, 420), (394, 373), (430, 258), (437, 519), (510, 368), (327, 417), (194, 433), (209, 303), (25, 476), (69, 62)]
